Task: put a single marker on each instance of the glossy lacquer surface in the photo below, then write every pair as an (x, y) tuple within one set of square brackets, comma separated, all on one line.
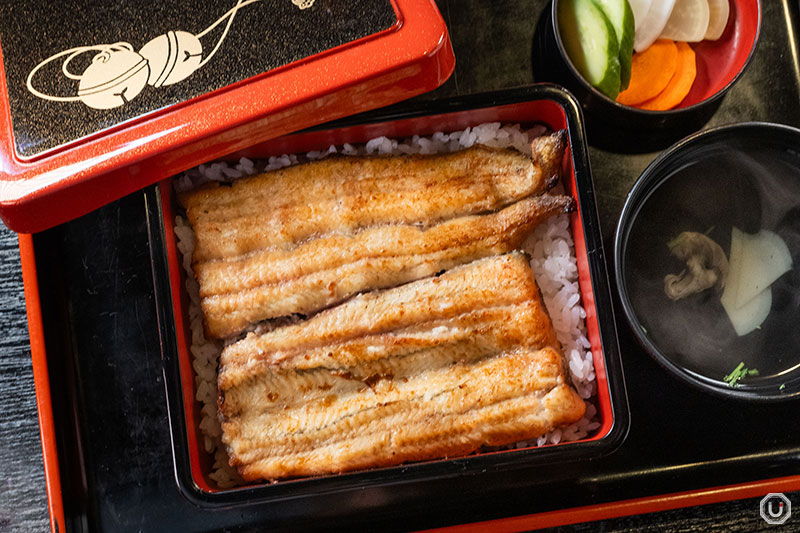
[(100, 321), (153, 55), (117, 106)]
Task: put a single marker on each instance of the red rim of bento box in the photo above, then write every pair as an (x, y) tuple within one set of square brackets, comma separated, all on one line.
[(411, 57), (541, 110)]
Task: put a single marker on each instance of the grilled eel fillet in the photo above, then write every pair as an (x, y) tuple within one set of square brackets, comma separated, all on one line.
[(303, 238), (438, 367), (325, 271)]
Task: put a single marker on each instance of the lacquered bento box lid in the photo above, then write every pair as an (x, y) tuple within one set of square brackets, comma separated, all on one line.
[(98, 100)]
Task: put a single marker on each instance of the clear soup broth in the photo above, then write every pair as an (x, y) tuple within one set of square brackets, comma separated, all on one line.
[(710, 190)]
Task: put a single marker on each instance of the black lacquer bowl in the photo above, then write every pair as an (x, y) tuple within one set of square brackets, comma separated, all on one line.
[(720, 64), (745, 176)]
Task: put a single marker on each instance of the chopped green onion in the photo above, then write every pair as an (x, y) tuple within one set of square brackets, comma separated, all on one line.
[(738, 373), (733, 374)]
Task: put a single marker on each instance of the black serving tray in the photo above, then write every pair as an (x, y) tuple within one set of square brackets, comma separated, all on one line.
[(106, 360)]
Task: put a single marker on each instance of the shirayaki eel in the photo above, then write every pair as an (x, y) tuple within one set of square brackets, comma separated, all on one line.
[(435, 368), (300, 239)]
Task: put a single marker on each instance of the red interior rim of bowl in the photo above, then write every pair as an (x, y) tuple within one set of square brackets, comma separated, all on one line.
[(720, 62)]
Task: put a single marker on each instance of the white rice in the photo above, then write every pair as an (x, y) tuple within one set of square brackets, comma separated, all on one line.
[(550, 247)]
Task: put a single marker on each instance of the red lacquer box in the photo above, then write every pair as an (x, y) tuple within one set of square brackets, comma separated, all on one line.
[(83, 123)]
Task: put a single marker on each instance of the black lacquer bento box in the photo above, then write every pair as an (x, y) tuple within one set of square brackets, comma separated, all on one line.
[(544, 105)]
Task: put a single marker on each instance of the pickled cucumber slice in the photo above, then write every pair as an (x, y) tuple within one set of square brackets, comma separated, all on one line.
[(620, 15), (591, 43)]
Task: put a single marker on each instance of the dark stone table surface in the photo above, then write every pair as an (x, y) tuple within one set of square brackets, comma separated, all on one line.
[(492, 39)]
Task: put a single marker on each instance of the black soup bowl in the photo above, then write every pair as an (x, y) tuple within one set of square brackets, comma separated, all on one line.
[(744, 176)]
